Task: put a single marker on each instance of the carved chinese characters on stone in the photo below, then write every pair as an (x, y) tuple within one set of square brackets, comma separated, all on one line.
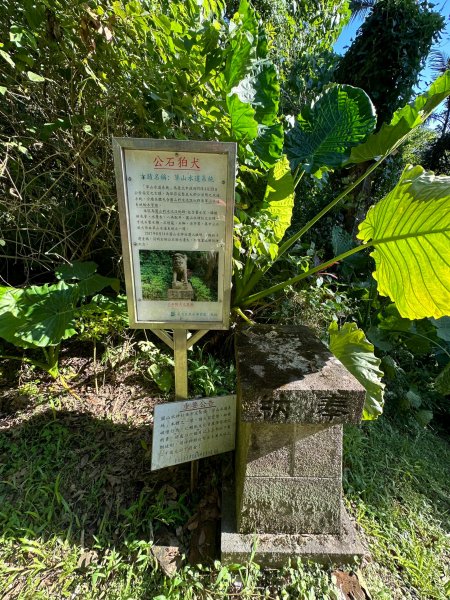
[(275, 409)]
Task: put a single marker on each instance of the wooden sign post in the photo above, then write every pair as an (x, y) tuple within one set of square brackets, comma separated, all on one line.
[(176, 219)]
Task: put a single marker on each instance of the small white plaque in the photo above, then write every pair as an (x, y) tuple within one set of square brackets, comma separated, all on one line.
[(192, 429)]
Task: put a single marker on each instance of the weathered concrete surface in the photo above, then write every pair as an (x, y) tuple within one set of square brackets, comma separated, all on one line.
[(293, 397), (290, 505), (275, 550), (296, 450), (286, 375), (288, 478)]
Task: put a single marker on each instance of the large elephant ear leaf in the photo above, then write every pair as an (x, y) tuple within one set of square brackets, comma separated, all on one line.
[(391, 135), (49, 314), (410, 231), (278, 200), (324, 133), (350, 346)]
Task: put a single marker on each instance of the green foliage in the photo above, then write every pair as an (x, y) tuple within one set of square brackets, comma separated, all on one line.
[(209, 376), (102, 319), (161, 368), (156, 274), (414, 358), (356, 353), (202, 291), (409, 230), (389, 51), (43, 316), (404, 121), (324, 133)]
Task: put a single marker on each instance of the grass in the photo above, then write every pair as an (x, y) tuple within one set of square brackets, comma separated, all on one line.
[(79, 509), (396, 480)]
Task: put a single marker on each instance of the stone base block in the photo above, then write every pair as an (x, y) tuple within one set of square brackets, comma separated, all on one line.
[(276, 549), (290, 505), (181, 293)]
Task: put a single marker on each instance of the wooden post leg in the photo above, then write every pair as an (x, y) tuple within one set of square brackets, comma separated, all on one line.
[(181, 370), (180, 346)]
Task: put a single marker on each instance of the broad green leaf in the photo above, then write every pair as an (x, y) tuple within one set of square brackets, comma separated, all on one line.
[(410, 231), (35, 77), (341, 240), (391, 320), (89, 282), (267, 92), (391, 135), (279, 198), (76, 270), (268, 145), (414, 398), (350, 346), (379, 338), (324, 133), (243, 123), (423, 417), (49, 313), (10, 317), (162, 376), (7, 57), (243, 44), (442, 328), (261, 89), (95, 284)]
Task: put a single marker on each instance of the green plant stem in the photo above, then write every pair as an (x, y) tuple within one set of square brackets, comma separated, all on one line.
[(283, 284), (298, 176), (288, 243), (67, 387), (244, 316)]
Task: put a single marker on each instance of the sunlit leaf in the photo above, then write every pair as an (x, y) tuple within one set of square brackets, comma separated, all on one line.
[(279, 198), (35, 77), (410, 230), (350, 346), (391, 135)]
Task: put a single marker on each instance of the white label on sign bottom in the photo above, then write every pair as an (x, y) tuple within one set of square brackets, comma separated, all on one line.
[(192, 429)]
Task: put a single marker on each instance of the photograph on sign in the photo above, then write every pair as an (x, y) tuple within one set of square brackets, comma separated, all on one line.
[(192, 429), (176, 211)]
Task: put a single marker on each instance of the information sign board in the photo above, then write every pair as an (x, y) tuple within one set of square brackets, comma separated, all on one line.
[(192, 429), (176, 218)]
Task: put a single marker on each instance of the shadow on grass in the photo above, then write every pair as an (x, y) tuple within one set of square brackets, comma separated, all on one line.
[(74, 476)]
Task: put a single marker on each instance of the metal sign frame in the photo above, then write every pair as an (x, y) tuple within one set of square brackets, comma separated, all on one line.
[(120, 148)]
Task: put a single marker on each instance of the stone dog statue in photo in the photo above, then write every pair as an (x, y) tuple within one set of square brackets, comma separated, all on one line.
[(179, 265)]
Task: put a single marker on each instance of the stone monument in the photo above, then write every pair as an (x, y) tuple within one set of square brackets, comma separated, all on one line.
[(181, 288), (293, 396)]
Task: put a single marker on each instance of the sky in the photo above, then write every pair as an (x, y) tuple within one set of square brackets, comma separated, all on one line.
[(426, 76)]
